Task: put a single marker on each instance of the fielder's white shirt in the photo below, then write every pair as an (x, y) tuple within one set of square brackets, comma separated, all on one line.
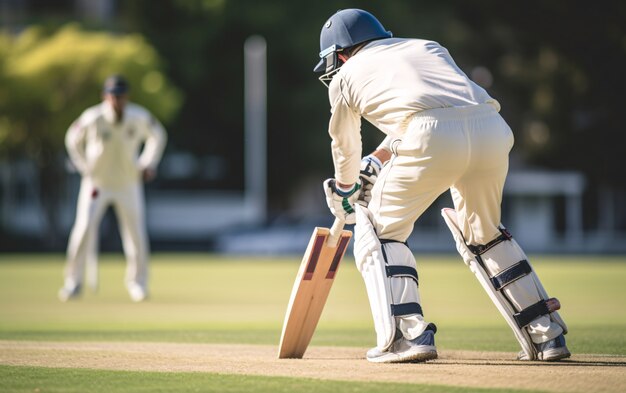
[(110, 153), (387, 82)]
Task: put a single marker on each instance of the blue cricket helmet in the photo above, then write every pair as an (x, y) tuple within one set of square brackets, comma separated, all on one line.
[(343, 30)]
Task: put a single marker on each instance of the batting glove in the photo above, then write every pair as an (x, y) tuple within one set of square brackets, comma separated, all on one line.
[(370, 168), (340, 202)]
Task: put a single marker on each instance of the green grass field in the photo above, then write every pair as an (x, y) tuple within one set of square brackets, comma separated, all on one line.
[(202, 298)]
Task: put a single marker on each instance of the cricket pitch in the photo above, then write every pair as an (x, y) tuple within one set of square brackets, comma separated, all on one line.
[(581, 373)]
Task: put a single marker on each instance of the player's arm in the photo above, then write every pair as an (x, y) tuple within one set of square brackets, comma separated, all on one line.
[(345, 130), (384, 151), (371, 165), (75, 146), (156, 139)]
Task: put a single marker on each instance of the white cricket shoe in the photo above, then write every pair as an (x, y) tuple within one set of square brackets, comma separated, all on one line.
[(419, 349), (137, 292), (550, 351), (67, 293)]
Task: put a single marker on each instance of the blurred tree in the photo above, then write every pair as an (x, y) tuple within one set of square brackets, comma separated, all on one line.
[(46, 81), (559, 72), (556, 68)]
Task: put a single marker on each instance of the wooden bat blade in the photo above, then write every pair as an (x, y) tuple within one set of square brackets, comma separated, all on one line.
[(310, 291)]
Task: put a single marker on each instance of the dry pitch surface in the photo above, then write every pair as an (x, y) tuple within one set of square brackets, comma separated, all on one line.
[(581, 373)]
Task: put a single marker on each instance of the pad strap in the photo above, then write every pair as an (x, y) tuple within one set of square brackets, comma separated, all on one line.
[(531, 313), (399, 310), (481, 248), (401, 271), (509, 275), (386, 241)]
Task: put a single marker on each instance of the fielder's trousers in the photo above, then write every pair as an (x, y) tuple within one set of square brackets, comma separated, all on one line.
[(128, 204)]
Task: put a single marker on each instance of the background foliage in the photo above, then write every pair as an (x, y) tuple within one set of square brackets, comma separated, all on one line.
[(48, 78), (556, 68)]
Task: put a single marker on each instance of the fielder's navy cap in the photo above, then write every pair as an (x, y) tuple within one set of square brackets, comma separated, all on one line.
[(116, 85)]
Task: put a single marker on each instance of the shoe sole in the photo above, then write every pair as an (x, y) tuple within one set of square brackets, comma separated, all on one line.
[(422, 357), (65, 297), (139, 299), (553, 356), (547, 356), (416, 357)]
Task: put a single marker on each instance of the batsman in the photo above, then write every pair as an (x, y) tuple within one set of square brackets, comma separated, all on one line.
[(443, 132)]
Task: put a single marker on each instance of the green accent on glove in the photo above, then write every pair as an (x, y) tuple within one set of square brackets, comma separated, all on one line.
[(346, 206)]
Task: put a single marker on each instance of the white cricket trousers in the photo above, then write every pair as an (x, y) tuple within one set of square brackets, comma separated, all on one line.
[(464, 149), (128, 204)]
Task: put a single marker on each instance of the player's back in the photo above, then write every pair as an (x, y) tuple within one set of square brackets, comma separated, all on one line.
[(391, 79)]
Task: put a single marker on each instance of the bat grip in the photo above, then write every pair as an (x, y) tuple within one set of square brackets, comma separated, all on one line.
[(335, 232)]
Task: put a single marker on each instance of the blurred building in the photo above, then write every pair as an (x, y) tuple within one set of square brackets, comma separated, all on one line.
[(544, 211)]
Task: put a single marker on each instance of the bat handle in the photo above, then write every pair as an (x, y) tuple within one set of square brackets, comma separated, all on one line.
[(335, 232)]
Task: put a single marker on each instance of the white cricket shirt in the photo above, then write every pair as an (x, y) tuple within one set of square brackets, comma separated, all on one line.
[(387, 82), (110, 153)]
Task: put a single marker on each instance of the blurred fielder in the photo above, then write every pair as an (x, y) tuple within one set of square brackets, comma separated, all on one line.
[(442, 132), (105, 145)]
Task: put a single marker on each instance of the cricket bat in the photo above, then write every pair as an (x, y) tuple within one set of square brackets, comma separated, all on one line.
[(310, 290)]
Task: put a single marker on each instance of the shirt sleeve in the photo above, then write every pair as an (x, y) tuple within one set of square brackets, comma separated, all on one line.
[(345, 130), (156, 138), (75, 146), (386, 143)]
